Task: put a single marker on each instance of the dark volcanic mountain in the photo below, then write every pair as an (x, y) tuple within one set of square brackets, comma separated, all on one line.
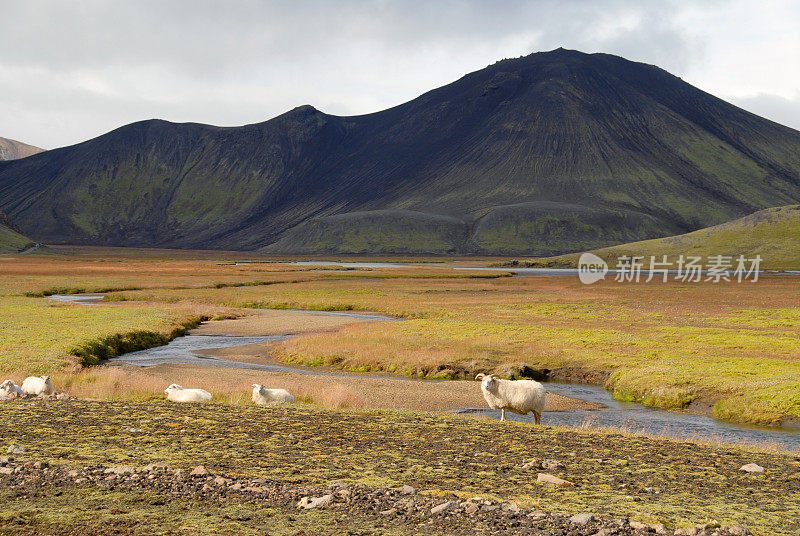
[(12, 149), (553, 152)]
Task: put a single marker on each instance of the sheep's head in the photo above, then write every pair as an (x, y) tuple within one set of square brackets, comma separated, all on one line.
[(257, 387), (173, 387), (488, 381), (45, 378), (6, 385)]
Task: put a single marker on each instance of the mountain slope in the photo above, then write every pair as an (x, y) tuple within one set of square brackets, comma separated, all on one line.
[(12, 149), (549, 153), (11, 241), (774, 234)]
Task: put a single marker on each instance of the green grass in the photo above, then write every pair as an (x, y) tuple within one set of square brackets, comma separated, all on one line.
[(40, 336), (774, 234), (13, 242)]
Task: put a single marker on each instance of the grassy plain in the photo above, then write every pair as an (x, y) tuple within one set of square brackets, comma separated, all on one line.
[(732, 350)]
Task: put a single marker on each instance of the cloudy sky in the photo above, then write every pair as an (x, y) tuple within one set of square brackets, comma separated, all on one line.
[(70, 71)]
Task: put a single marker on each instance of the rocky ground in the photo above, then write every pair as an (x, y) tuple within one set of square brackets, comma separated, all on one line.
[(78, 467)]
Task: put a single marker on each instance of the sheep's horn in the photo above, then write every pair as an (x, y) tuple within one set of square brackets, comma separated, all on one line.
[(480, 376)]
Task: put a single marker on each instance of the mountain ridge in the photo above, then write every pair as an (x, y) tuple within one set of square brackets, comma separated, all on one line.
[(510, 150)]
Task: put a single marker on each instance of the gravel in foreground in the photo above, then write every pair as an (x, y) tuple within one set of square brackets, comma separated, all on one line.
[(80, 467)]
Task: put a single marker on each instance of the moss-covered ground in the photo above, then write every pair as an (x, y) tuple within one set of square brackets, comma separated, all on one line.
[(441, 455)]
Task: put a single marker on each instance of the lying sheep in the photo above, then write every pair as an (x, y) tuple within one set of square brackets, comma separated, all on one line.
[(519, 396), (9, 389), (266, 397), (176, 393), (37, 385)]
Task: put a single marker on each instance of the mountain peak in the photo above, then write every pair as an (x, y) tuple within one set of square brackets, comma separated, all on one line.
[(13, 150), (552, 152)]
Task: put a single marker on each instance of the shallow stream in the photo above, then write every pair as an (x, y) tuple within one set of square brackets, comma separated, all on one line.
[(188, 350)]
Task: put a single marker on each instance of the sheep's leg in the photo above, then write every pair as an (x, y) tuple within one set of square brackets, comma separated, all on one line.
[(537, 417), (502, 415)]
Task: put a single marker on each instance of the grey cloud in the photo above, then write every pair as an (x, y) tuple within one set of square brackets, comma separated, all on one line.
[(80, 68), (776, 108)]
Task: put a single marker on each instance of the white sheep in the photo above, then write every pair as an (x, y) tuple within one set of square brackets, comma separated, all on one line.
[(519, 396), (9, 389), (37, 385), (176, 393), (266, 397)]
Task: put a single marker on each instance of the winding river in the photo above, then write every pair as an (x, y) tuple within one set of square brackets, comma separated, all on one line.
[(188, 350)]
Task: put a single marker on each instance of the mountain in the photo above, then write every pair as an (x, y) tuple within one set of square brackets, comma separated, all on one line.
[(773, 233), (11, 241), (549, 153), (12, 149)]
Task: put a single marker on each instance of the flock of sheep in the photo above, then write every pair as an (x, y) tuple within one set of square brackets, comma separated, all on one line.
[(261, 395), (33, 385), (518, 396)]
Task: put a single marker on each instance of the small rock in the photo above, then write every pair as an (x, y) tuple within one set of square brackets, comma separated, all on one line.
[(120, 470), (179, 473), (471, 508), (552, 465), (405, 489), (533, 464), (74, 473), (199, 471), (16, 449), (5, 460), (255, 489), (157, 466), (442, 508), (739, 530), (550, 479), (581, 519), (6, 470), (638, 525), (237, 486), (221, 481), (658, 528), (389, 512), (511, 507), (538, 514), (752, 468), (81, 480), (308, 503)]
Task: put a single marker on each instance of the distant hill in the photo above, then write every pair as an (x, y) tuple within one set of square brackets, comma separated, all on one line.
[(11, 241), (545, 154), (12, 150), (773, 233)]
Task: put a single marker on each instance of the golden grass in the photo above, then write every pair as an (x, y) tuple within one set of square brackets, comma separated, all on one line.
[(736, 346), (125, 383)]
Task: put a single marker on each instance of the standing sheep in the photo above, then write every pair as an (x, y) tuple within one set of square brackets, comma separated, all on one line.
[(37, 385), (267, 397), (519, 396), (9, 389), (176, 393)]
